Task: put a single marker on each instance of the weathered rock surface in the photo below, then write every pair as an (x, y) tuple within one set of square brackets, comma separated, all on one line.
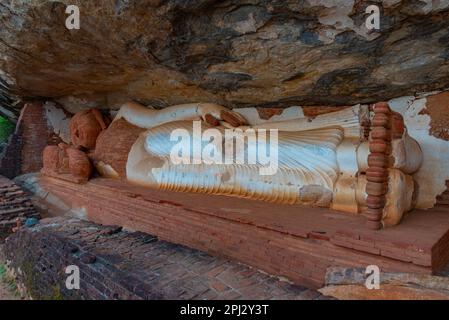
[(349, 284), (258, 52)]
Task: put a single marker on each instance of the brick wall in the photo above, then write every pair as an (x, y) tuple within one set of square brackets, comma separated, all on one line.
[(118, 264), (24, 151), (10, 161), (35, 136)]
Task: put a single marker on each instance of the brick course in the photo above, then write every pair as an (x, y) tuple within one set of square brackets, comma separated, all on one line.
[(15, 206), (23, 154)]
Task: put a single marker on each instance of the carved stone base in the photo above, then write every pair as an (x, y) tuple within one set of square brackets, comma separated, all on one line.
[(297, 242)]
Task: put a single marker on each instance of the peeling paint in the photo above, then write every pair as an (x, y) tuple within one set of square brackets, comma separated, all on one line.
[(58, 121), (434, 171)]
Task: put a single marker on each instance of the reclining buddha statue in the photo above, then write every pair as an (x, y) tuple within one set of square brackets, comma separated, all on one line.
[(358, 159)]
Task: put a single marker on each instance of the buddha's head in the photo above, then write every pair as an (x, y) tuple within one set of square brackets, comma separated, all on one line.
[(85, 128)]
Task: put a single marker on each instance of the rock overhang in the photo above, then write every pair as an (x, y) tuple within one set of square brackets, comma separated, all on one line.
[(266, 53)]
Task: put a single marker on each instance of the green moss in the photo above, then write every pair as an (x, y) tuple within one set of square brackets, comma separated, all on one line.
[(28, 271), (57, 294), (30, 284)]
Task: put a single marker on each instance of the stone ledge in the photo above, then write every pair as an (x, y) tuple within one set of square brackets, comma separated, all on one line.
[(298, 242)]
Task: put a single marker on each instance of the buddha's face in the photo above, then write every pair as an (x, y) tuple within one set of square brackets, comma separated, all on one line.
[(84, 130)]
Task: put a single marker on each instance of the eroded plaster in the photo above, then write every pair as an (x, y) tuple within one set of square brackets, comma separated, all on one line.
[(58, 120), (434, 171)]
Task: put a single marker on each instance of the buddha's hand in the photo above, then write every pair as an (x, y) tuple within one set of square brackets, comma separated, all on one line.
[(214, 115)]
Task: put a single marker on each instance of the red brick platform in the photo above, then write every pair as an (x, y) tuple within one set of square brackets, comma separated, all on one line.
[(297, 242)]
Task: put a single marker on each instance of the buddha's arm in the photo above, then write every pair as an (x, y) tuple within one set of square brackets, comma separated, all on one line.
[(147, 118)]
